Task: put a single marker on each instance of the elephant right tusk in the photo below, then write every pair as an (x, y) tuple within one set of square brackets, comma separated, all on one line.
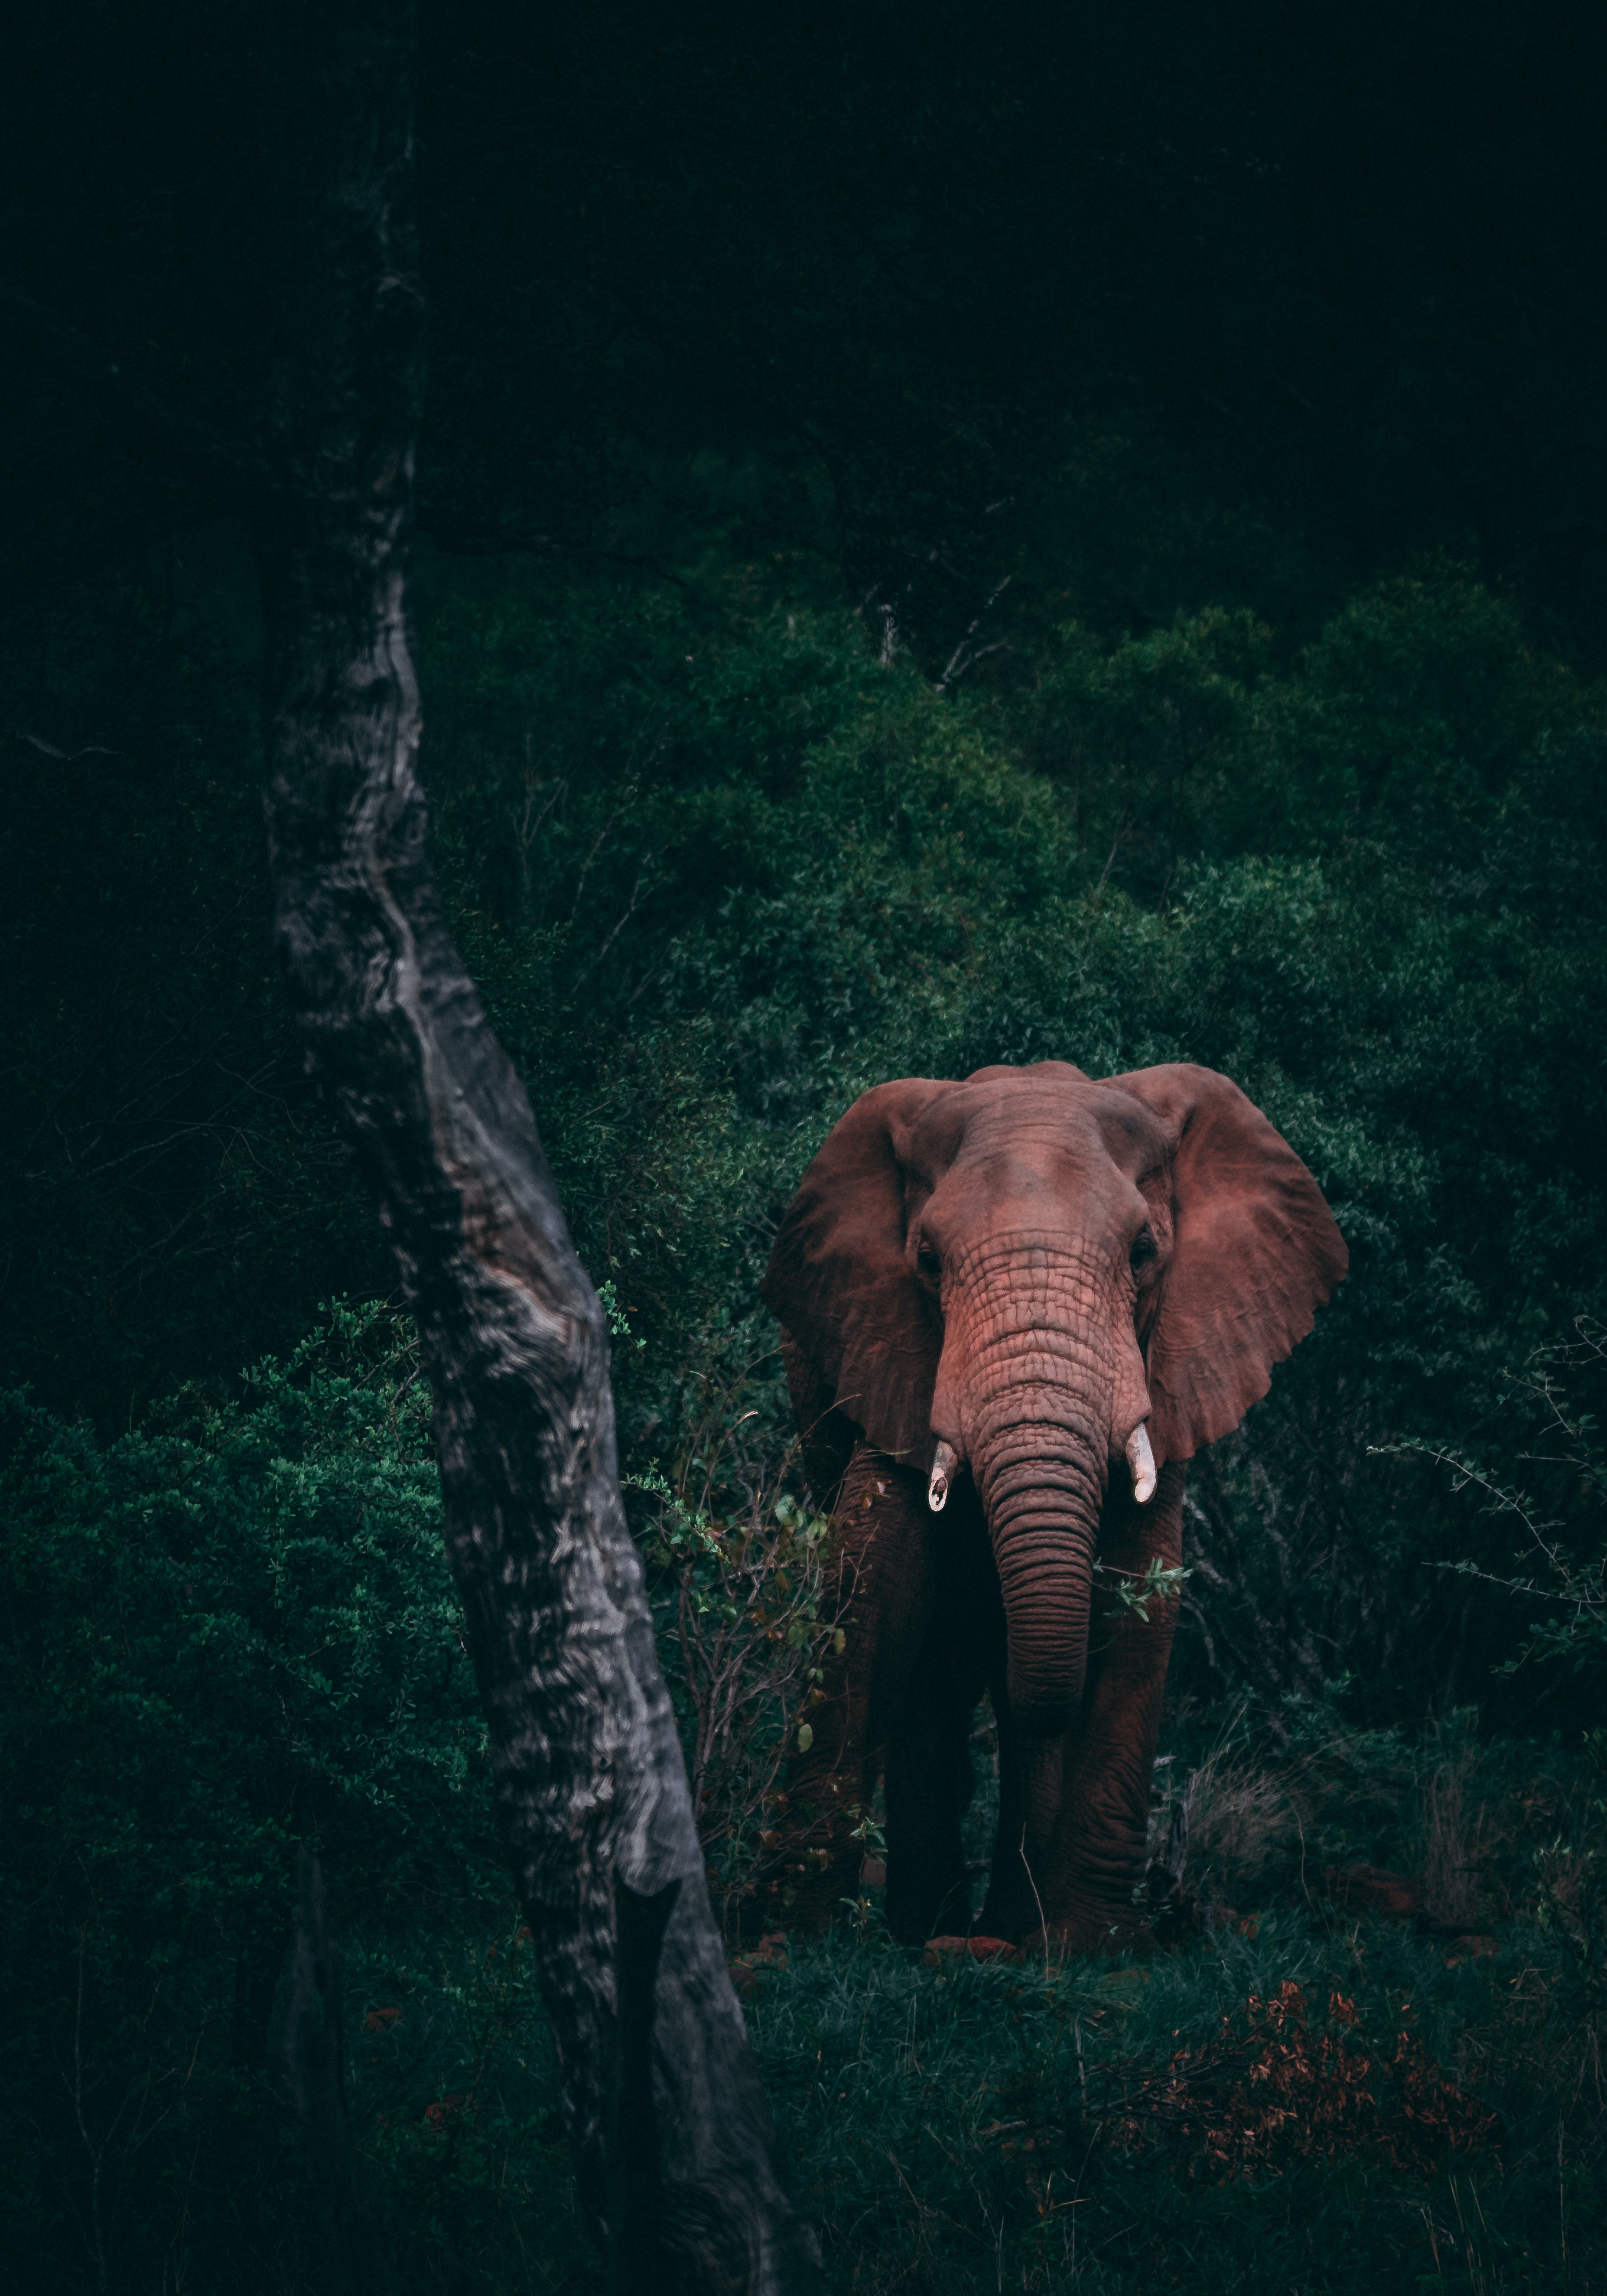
[(1141, 1459), (944, 1463)]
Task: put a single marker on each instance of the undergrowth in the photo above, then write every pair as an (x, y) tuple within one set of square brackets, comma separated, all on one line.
[(1326, 2105), (1303, 2096), (1371, 2061), (981, 2127)]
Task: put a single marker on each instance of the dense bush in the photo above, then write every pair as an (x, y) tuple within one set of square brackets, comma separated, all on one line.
[(228, 1631), (1366, 881), (741, 1589), (718, 865)]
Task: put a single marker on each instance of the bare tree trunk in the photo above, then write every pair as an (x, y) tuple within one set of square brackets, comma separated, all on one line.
[(676, 2156)]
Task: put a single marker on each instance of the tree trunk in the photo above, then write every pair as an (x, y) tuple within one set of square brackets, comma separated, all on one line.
[(676, 2157)]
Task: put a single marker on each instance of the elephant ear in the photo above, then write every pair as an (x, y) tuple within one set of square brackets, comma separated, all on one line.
[(838, 1282), (1255, 1252)]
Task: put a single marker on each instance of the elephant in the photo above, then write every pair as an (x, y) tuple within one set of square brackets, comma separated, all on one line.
[(1011, 1308)]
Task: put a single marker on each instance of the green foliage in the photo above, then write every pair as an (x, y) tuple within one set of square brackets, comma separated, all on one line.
[(718, 866), (1549, 1406), (227, 1631), (739, 1581), (453, 2088), (1134, 1592), (268, 1573)]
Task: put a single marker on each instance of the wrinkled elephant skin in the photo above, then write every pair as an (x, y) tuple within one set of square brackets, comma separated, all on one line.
[(1012, 1308)]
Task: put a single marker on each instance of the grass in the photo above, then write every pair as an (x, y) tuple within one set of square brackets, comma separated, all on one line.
[(955, 2128), (1301, 2099), (971, 2127), (1303, 2096)]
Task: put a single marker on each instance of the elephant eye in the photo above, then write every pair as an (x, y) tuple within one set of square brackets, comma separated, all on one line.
[(927, 1262), (1142, 1248)]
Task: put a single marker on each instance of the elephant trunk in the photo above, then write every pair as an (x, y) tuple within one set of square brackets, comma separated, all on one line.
[(1042, 1499), (1039, 1440)]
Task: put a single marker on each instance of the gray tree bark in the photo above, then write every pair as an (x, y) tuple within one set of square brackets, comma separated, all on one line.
[(676, 2157)]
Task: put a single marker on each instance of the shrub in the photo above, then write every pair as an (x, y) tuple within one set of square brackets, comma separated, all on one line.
[(1549, 1406), (738, 1580), (227, 1631)]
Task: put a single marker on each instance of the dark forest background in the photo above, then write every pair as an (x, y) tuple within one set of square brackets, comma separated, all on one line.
[(944, 537)]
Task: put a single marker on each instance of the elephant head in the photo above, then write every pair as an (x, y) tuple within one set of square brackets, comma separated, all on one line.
[(1049, 1280)]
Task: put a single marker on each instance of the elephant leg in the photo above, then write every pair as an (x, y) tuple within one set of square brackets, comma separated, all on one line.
[(1093, 1858), (885, 1583)]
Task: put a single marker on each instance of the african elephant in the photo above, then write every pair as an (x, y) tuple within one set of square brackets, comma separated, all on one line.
[(1011, 1308)]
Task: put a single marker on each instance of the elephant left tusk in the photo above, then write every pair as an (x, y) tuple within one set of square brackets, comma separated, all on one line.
[(944, 1463), (1141, 1459)]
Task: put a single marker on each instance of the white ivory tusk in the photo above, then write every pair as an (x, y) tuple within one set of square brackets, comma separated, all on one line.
[(943, 1465), (1141, 1459)]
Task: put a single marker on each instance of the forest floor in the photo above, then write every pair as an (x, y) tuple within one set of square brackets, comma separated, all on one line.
[(1367, 2056), (1334, 2087)]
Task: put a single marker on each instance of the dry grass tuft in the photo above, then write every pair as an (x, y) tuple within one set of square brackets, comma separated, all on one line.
[(1243, 1820)]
